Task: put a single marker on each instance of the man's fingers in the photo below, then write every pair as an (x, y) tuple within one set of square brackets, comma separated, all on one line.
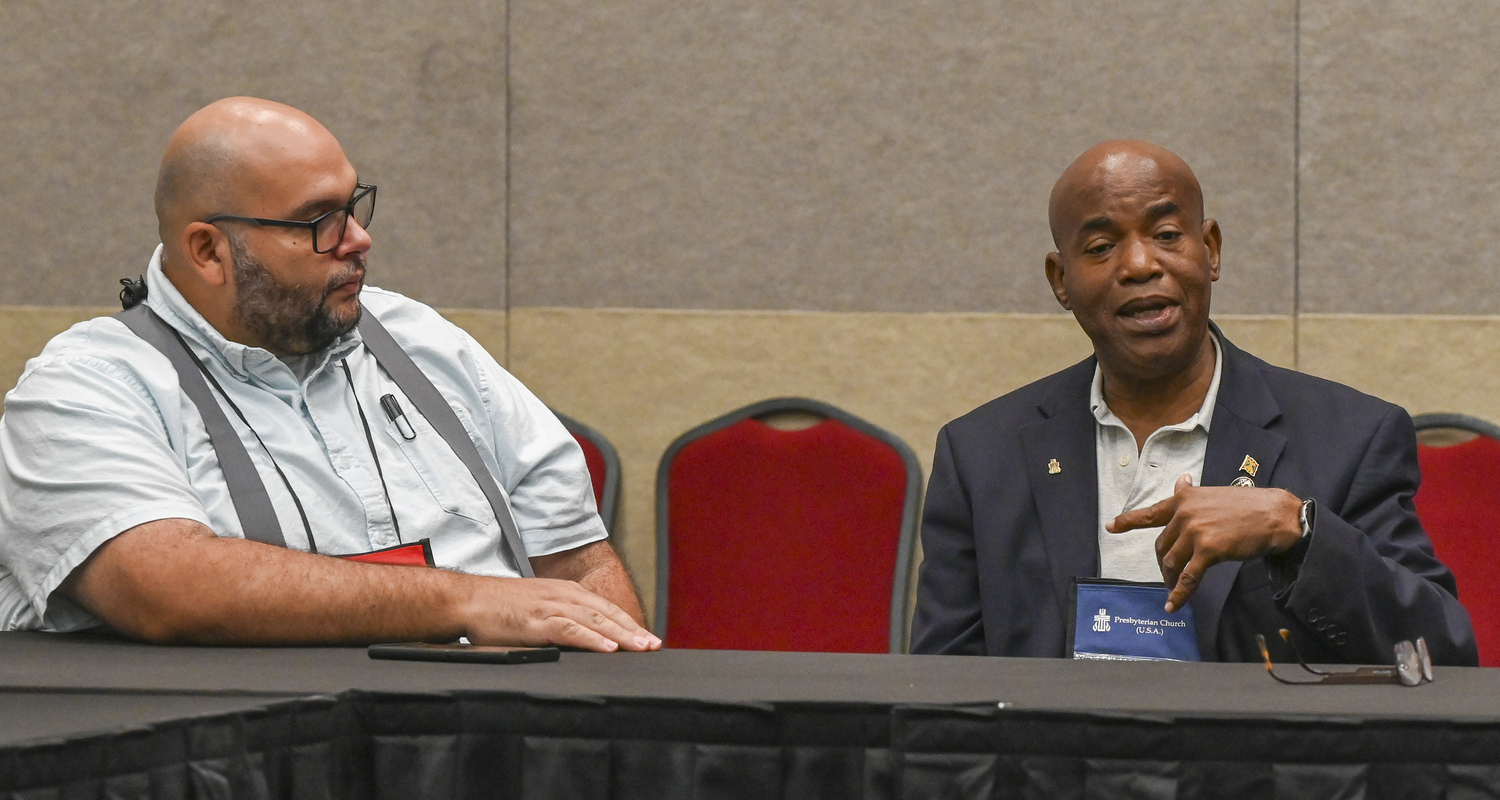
[(609, 621), (579, 626), (610, 611), (1187, 583), (548, 611), (567, 632), (1166, 540), (1173, 551), (1149, 517)]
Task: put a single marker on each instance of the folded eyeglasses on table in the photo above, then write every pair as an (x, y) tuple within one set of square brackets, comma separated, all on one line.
[(1413, 666)]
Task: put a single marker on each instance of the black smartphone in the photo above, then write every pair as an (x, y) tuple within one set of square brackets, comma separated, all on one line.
[(464, 653)]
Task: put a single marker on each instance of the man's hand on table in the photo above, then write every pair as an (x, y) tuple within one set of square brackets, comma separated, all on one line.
[(541, 611), (1206, 525)]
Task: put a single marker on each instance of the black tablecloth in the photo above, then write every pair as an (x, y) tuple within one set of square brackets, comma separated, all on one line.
[(91, 717)]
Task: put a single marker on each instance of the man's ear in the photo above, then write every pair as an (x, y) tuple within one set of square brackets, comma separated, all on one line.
[(1212, 239), (1055, 277), (208, 254)]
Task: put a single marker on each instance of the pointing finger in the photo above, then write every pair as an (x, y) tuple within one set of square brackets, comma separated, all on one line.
[(1187, 583), (1151, 516)]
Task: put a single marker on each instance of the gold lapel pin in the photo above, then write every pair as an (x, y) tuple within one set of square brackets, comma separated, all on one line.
[(1249, 465), (1053, 467)]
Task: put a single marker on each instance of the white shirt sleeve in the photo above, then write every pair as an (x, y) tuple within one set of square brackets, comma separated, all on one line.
[(540, 465), (85, 455)]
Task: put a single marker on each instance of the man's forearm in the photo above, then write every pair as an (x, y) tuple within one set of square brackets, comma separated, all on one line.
[(175, 581)]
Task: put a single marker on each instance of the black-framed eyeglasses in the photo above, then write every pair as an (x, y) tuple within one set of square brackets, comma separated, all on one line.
[(327, 229), (1413, 665)]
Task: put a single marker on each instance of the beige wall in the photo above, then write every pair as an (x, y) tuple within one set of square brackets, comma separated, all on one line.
[(657, 211)]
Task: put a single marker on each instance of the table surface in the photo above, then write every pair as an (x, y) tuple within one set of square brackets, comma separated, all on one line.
[(32, 665), (35, 717)]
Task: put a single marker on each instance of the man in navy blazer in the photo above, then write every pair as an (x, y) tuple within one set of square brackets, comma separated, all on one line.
[(1300, 515)]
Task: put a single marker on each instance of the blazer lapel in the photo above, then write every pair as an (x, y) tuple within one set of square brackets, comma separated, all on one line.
[(1245, 407), (1059, 453)]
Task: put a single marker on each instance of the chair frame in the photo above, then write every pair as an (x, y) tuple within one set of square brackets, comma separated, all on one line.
[(911, 507), (1462, 422), (609, 495)]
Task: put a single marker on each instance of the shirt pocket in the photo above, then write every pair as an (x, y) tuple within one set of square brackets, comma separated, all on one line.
[(441, 471)]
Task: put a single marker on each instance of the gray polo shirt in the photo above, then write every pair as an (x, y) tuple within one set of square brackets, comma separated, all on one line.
[(1129, 479)]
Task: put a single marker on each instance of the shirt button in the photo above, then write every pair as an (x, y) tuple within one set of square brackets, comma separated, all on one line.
[(1124, 461)]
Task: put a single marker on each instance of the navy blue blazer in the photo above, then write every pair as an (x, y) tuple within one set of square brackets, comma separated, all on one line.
[(1003, 538)]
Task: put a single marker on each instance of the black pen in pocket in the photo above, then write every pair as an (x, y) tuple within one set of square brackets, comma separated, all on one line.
[(397, 416)]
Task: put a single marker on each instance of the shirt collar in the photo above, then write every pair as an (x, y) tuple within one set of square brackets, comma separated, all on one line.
[(242, 360), (1202, 419)]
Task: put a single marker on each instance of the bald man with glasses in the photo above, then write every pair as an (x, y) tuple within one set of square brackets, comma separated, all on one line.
[(236, 458)]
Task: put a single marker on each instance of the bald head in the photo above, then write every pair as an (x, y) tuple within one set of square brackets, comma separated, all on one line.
[(1108, 166), (225, 152)]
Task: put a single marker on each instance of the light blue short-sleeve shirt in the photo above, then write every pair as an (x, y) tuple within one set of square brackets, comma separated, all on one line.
[(97, 438)]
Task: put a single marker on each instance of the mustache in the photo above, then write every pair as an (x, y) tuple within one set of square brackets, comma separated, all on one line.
[(356, 268)]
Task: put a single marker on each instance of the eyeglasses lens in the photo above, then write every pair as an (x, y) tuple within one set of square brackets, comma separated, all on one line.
[(364, 208), (331, 229)]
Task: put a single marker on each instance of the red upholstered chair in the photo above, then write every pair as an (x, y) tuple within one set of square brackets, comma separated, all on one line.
[(770, 537), (604, 467), (1459, 504)]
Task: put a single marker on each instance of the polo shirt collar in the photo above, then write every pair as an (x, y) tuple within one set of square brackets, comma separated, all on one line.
[(1203, 419), (241, 360)]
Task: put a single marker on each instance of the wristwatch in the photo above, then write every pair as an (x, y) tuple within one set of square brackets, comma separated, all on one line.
[(1308, 516), (1282, 568)]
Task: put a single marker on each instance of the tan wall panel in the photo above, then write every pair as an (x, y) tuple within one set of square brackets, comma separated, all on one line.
[(875, 157), (486, 326), (1425, 363), (643, 377), (25, 330)]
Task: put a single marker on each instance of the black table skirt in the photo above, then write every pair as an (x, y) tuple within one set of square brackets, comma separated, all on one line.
[(610, 731), (484, 745)]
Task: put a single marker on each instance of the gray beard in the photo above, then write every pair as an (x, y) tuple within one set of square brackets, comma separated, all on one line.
[(287, 320)]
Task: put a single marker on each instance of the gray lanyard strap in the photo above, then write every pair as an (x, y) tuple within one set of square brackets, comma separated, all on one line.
[(251, 502), (246, 490), (432, 405)]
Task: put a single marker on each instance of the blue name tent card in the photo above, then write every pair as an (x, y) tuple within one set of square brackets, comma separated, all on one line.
[(1126, 621)]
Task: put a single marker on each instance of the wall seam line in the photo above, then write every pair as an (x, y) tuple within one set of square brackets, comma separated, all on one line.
[(509, 43), (1296, 185)]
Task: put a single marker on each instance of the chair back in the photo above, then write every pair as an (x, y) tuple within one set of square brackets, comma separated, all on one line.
[(604, 467), (770, 538), (1459, 506)]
